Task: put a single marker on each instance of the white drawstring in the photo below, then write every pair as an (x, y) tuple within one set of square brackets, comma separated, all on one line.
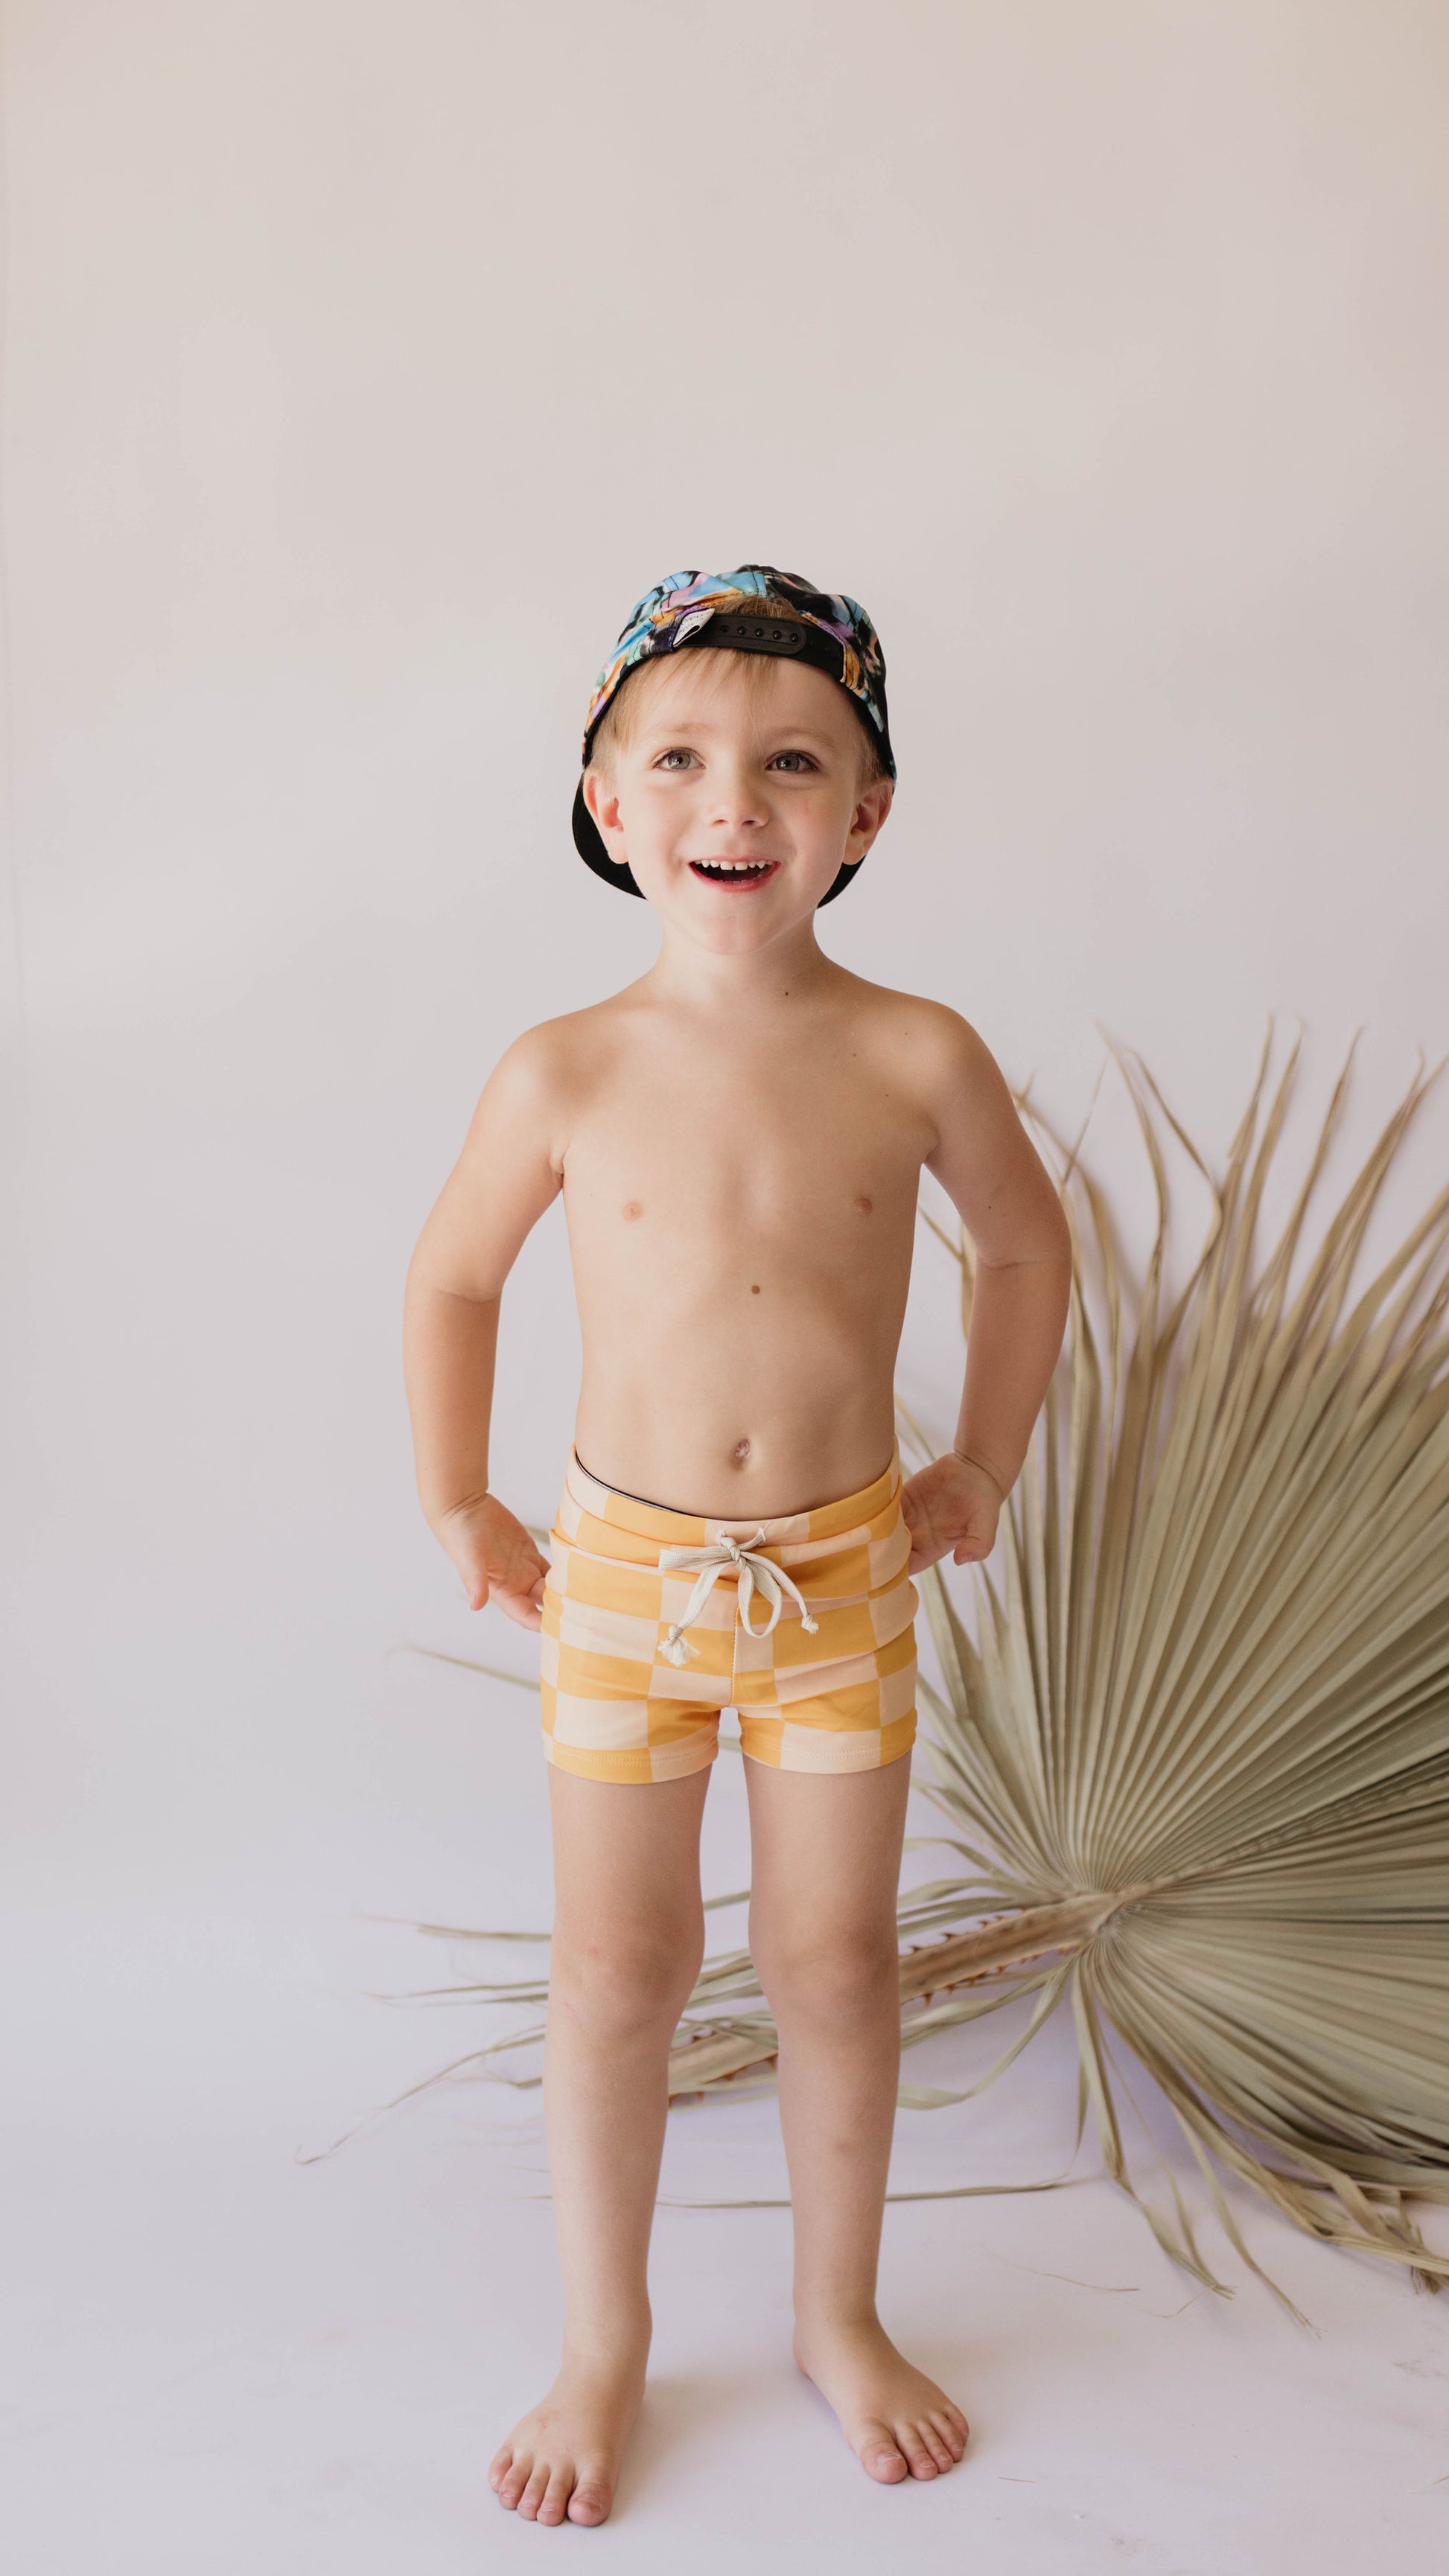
[(755, 1573)]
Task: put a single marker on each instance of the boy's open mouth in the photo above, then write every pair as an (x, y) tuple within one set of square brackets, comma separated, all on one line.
[(737, 874)]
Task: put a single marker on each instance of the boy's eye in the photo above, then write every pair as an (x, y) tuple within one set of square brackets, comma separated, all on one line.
[(795, 763)]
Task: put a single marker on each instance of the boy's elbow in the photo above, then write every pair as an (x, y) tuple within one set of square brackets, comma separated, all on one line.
[(1063, 1233), (1062, 1263), (421, 1281), (1048, 1247)]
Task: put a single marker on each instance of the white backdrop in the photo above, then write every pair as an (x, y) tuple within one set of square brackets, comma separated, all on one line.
[(363, 363)]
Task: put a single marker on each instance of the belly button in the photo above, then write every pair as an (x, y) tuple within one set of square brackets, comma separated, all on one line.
[(632, 1208), (740, 1451), (864, 1205)]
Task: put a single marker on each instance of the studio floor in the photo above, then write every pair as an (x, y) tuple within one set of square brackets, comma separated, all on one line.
[(223, 2357), (231, 2363)]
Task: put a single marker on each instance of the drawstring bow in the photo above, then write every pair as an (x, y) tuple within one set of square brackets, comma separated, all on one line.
[(756, 1574)]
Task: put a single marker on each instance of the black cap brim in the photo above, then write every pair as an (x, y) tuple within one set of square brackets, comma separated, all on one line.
[(588, 841)]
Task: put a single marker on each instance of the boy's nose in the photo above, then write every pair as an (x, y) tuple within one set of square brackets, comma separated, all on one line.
[(739, 802)]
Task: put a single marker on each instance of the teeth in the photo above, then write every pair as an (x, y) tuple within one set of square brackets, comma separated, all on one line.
[(733, 867)]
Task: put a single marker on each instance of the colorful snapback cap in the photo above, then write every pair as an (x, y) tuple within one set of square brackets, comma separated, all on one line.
[(733, 610)]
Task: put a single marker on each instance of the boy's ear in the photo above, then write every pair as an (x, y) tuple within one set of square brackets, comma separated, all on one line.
[(871, 808), (602, 800)]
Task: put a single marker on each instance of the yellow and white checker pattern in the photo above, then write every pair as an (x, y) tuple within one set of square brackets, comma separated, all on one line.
[(841, 1700)]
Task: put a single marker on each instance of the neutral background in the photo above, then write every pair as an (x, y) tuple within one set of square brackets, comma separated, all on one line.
[(363, 362)]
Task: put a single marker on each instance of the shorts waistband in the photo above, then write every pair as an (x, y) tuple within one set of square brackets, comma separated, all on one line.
[(692, 1529)]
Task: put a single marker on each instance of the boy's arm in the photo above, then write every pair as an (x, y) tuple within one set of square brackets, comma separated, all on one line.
[(507, 1174), (986, 1163)]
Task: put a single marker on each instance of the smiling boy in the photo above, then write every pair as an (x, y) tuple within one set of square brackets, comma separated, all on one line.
[(738, 1137)]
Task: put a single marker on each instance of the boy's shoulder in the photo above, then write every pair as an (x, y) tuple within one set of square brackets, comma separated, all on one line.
[(930, 1035), (550, 1061), (554, 1048)]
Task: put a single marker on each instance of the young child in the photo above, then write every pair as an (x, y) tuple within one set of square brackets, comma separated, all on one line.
[(738, 1137)]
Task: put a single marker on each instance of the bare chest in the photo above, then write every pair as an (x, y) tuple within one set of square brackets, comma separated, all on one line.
[(816, 1160)]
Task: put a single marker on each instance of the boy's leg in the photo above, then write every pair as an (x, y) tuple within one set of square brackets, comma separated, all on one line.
[(627, 1941), (825, 1869)]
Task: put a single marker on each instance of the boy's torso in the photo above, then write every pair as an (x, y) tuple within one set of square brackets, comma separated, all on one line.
[(741, 1204)]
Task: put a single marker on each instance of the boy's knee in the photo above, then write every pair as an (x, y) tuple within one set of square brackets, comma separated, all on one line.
[(828, 1974), (631, 1981)]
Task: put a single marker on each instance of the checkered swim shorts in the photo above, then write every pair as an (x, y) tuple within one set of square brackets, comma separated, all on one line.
[(803, 1624)]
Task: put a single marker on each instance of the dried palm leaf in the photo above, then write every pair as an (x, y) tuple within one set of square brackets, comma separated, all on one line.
[(1193, 1745)]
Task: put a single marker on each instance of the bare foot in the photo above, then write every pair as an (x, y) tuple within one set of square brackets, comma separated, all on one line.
[(897, 2421), (561, 2461)]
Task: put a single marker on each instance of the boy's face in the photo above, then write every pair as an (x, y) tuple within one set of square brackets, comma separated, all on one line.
[(736, 795)]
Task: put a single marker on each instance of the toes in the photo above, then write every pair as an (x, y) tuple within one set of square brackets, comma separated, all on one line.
[(514, 2479), (879, 2456), (591, 2498), (554, 2502), (951, 2424), (533, 2494), (498, 2467), (936, 2444), (918, 2458)]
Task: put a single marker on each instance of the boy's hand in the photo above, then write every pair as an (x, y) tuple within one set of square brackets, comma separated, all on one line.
[(496, 1558), (951, 1509)]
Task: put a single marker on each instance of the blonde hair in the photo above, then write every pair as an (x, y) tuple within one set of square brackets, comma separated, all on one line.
[(619, 722)]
